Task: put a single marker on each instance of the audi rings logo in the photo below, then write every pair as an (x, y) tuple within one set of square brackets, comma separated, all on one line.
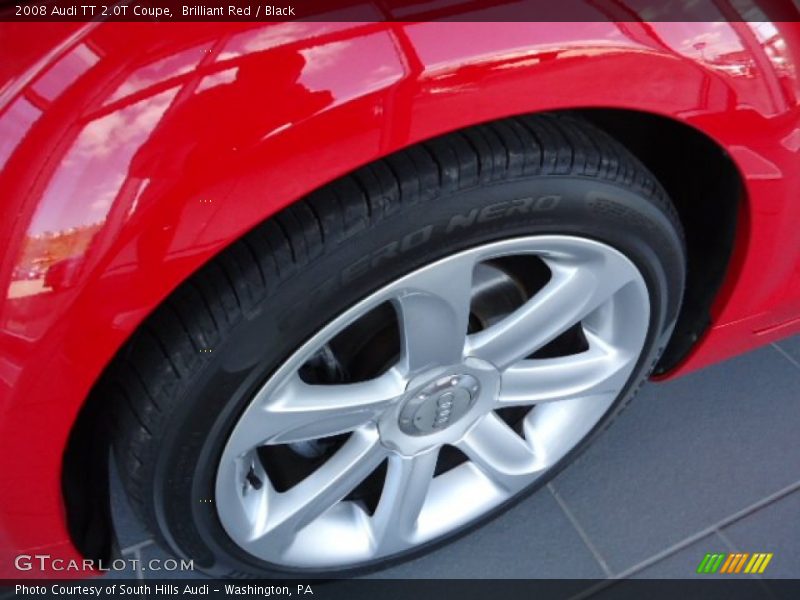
[(444, 410)]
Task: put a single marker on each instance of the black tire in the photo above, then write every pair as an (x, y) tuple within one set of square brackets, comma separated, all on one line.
[(251, 306)]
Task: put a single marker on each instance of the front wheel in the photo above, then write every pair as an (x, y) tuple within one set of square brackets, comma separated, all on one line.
[(403, 354)]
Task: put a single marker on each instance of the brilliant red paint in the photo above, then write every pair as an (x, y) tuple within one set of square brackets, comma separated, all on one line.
[(133, 153)]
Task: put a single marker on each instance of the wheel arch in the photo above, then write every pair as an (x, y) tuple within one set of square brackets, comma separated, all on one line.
[(708, 191), (718, 198)]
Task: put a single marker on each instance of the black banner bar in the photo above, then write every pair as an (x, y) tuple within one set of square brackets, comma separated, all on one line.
[(398, 10), (733, 588)]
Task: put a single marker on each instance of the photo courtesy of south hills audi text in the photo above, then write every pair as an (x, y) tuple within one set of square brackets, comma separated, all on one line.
[(139, 590)]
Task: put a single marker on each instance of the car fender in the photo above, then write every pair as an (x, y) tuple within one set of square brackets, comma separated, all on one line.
[(138, 167)]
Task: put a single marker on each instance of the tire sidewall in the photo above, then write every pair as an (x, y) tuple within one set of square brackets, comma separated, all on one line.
[(366, 257)]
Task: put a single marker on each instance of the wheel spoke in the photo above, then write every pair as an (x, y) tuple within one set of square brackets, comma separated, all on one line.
[(578, 286), (599, 371), (320, 521), (408, 480), (290, 511), (433, 309), (502, 455), (300, 411)]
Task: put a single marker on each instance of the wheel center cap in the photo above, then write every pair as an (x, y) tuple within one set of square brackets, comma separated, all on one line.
[(439, 404)]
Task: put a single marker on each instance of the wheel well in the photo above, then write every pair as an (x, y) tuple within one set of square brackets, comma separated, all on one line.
[(707, 191), (699, 177), (85, 482)]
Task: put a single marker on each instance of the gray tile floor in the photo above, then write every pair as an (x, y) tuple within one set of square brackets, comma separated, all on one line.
[(706, 463)]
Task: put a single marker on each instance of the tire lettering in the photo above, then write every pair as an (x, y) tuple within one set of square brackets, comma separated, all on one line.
[(415, 238), (459, 221), (546, 203), (356, 269), (493, 212), (388, 251), (490, 212), (499, 210)]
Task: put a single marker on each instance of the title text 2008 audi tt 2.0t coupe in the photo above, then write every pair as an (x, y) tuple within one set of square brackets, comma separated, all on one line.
[(333, 293)]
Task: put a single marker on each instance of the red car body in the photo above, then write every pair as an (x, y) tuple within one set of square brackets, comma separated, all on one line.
[(135, 152)]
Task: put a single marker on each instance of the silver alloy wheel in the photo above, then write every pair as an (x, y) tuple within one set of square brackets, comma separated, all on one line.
[(444, 390)]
